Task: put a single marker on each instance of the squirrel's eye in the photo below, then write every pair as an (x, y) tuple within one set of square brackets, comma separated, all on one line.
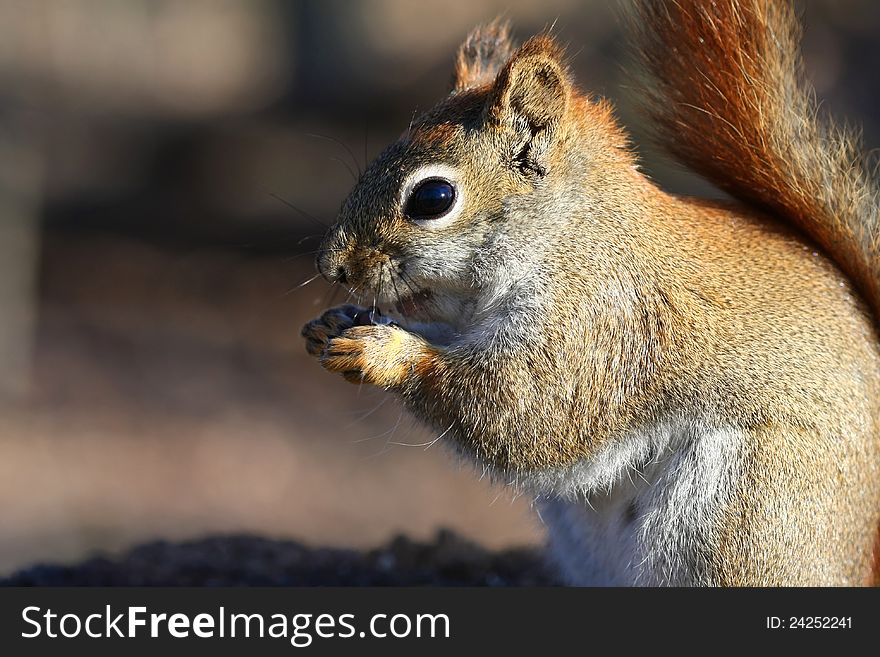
[(430, 199)]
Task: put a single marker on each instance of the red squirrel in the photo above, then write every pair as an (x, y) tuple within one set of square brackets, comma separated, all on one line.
[(691, 388)]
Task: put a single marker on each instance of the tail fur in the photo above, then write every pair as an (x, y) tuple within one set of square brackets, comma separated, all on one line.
[(727, 93)]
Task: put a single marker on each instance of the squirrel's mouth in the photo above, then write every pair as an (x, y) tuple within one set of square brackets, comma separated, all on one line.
[(413, 304)]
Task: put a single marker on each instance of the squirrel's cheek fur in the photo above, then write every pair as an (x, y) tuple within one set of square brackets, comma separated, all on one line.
[(691, 388)]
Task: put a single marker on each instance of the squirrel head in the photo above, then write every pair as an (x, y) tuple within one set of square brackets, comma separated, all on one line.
[(417, 232)]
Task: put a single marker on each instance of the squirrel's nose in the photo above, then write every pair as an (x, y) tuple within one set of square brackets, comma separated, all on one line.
[(340, 276), (330, 267)]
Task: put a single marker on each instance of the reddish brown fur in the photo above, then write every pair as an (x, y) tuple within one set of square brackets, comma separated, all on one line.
[(729, 101), (482, 54)]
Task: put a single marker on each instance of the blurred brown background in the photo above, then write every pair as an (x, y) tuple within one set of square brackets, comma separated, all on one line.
[(152, 379)]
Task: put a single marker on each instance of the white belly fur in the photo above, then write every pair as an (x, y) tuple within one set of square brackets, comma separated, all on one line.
[(645, 512)]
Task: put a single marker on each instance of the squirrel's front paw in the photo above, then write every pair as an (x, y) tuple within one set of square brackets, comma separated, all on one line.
[(331, 324), (384, 355)]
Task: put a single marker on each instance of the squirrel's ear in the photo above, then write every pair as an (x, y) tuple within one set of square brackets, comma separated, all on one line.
[(530, 96), (486, 49)]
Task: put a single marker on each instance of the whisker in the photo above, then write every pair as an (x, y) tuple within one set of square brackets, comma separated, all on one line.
[(364, 416), (406, 282), (401, 274), (411, 121), (301, 285), (434, 442), (386, 447), (384, 433), (352, 292), (328, 299), (398, 298), (314, 252), (340, 143), (346, 165), (299, 210), (428, 444), (308, 237)]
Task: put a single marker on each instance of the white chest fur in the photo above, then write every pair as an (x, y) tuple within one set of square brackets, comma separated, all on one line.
[(647, 522)]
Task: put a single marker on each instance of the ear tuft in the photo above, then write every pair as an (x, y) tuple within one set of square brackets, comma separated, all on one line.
[(485, 52)]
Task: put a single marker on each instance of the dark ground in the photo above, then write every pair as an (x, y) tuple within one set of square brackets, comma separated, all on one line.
[(245, 560)]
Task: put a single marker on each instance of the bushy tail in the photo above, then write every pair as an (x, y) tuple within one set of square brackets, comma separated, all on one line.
[(727, 92)]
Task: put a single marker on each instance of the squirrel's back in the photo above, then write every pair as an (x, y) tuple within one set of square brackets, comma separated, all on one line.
[(727, 94)]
